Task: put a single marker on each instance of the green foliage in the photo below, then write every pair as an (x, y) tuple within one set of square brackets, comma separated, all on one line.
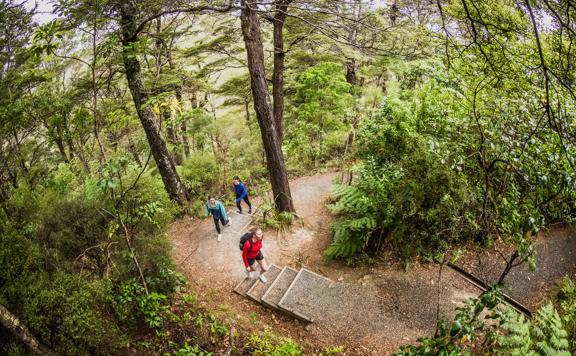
[(71, 313), (200, 173), (334, 350), (352, 234), (548, 334), (189, 350), (403, 192), (133, 304), (486, 324), (269, 344), (436, 169), (566, 303), (61, 241), (272, 218), (321, 105)]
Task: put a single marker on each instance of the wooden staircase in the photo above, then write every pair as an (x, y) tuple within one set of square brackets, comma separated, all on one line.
[(283, 289)]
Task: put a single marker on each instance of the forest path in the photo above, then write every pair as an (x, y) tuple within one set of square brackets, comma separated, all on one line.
[(380, 308)]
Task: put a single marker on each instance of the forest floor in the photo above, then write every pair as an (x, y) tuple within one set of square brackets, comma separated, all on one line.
[(403, 306)]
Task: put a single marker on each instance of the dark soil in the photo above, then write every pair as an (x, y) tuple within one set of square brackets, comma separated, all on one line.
[(555, 258)]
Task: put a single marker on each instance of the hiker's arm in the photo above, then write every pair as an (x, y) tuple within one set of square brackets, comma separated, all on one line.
[(206, 211), (243, 194), (245, 255), (223, 212)]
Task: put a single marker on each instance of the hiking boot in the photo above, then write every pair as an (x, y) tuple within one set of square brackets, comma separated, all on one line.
[(250, 275), (219, 238), (250, 211), (239, 211), (263, 279), (229, 222)]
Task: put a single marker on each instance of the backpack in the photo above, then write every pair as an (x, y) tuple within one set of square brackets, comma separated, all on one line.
[(246, 237)]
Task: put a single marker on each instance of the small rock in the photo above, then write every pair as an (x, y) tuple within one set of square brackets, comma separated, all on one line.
[(308, 327), (340, 279), (432, 281)]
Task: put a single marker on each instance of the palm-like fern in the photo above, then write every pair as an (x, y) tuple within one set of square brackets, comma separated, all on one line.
[(352, 233), (548, 333)]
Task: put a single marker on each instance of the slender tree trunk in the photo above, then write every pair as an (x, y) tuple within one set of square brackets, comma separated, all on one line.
[(95, 94), (164, 162), (21, 159), (172, 137), (82, 155), (351, 68), (61, 148), (134, 151), (183, 126), (69, 141), (15, 326), (247, 109), (281, 8), (270, 138), (351, 65)]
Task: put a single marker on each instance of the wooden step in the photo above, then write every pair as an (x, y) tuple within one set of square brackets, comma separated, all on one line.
[(259, 289), (300, 298), (243, 287), (279, 287)]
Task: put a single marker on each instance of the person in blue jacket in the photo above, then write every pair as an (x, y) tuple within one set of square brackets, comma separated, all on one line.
[(241, 193), (216, 209)]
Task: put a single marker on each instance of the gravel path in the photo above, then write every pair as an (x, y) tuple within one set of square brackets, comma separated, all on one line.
[(555, 258), (370, 310)]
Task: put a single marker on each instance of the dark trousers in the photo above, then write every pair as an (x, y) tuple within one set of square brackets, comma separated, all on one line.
[(247, 202), (216, 223)]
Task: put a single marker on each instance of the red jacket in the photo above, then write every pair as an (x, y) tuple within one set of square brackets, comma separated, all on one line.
[(250, 253)]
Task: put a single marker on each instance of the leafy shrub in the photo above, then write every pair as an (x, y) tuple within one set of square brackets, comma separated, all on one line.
[(268, 344), (403, 193), (322, 101), (65, 248), (566, 304), (487, 325), (133, 304), (433, 173), (189, 350), (200, 173), (272, 218), (68, 313)]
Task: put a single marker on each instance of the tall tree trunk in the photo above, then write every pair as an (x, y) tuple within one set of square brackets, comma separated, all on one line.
[(134, 151), (69, 141), (183, 126), (351, 65), (270, 138), (164, 162), (61, 149), (172, 137), (95, 93), (247, 109), (281, 8), (82, 155), (21, 159), (351, 68), (13, 324)]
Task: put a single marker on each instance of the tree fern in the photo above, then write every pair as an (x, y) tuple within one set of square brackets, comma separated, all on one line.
[(515, 335), (548, 332), (352, 233)]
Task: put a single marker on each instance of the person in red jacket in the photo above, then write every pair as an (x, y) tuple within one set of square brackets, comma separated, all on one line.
[(251, 253)]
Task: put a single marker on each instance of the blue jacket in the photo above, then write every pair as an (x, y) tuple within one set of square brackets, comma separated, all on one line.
[(240, 192), (219, 206)]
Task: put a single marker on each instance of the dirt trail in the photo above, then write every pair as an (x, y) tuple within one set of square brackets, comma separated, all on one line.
[(396, 307), (555, 258)]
